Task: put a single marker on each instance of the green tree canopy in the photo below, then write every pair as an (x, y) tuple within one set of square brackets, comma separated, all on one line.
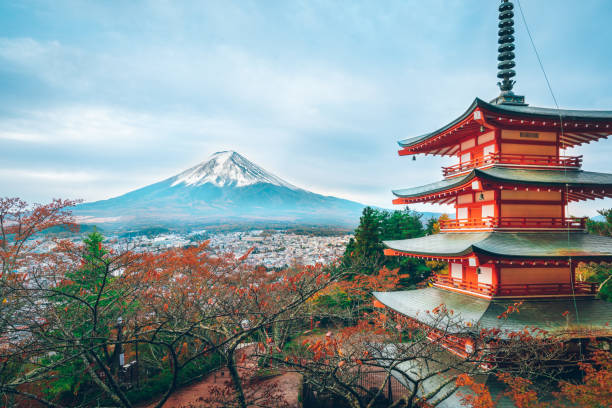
[(364, 253), (601, 273)]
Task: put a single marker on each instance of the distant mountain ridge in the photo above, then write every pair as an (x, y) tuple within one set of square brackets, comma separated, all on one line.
[(225, 187)]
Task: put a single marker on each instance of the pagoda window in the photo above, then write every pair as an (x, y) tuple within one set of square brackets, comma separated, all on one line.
[(488, 210), (456, 271), (529, 149), (531, 195), (486, 275), (468, 144), (462, 213), (516, 276), (486, 137), (466, 157), (464, 198), (489, 149), (529, 136), (488, 195), (529, 143), (532, 210)]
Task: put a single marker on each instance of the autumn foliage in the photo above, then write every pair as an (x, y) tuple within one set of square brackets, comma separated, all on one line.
[(74, 316)]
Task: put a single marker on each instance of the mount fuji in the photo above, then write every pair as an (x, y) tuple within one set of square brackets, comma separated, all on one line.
[(225, 188)]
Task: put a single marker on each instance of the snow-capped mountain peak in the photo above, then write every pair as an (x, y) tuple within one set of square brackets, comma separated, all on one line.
[(228, 168)]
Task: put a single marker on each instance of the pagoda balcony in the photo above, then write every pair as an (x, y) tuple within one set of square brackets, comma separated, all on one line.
[(448, 282), (516, 290), (547, 289), (518, 160), (538, 223)]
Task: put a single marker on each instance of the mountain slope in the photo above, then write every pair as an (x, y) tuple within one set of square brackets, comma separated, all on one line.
[(225, 169), (225, 187)]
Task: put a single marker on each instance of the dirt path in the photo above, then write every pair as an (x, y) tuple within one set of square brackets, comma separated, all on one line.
[(286, 384)]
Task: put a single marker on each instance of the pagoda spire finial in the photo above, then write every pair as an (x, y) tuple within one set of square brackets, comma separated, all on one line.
[(506, 56), (506, 46)]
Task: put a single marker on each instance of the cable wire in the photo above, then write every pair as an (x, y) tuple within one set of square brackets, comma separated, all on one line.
[(535, 50)]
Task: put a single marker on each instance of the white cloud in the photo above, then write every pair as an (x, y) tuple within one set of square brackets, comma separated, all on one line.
[(79, 124), (21, 136), (57, 177), (314, 91)]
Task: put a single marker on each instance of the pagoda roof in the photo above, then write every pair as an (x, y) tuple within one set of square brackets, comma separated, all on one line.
[(435, 372), (547, 314), (502, 244), (546, 178), (579, 126)]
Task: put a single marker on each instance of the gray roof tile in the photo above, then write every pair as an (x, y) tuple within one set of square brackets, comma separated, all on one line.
[(523, 111), (571, 178), (508, 244), (545, 314)]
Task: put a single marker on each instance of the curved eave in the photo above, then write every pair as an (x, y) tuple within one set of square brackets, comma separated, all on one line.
[(571, 178), (507, 245), (593, 318), (533, 112), (448, 245), (579, 126), (580, 185), (432, 188), (418, 139), (549, 245)]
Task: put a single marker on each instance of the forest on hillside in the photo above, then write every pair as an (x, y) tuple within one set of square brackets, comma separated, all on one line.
[(86, 325)]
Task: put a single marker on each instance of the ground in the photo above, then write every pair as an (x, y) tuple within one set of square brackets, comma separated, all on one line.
[(285, 384)]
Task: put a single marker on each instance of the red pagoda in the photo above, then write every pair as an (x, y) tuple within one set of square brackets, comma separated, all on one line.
[(512, 238)]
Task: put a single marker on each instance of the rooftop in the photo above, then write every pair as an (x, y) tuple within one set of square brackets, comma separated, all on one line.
[(578, 126), (549, 245), (547, 314), (601, 183)]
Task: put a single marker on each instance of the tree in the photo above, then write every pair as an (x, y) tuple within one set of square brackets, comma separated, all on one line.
[(21, 226), (72, 310), (219, 304), (592, 391), (433, 227), (71, 304), (601, 227), (385, 345), (23, 243), (600, 273), (69, 312), (365, 249), (364, 253)]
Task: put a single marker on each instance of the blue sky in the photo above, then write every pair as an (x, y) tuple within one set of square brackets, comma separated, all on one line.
[(99, 98)]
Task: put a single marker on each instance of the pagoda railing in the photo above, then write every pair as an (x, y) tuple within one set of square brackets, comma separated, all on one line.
[(536, 289), (514, 159), (519, 289), (483, 288), (573, 223)]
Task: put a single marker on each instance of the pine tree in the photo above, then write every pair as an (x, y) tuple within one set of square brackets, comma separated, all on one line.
[(367, 235), (364, 253), (600, 273)]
